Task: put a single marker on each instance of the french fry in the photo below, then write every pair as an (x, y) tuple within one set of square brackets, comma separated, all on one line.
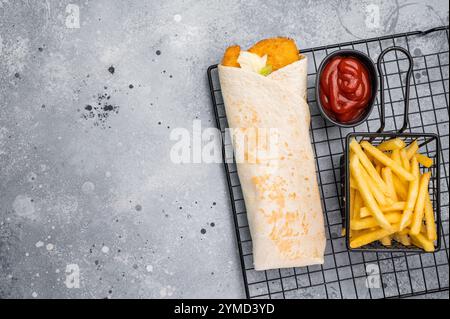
[(412, 195), (400, 188), (397, 206), (429, 219), (424, 160), (403, 239), (357, 205), (392, 144), (352, 201), (371, 236), (386, 241), (385, 160), (364, 212), (405, 160), (369, 201), (352, 183), (395, 156), (386, 174), (369, 222), (378, 168), (374, 188), (421, 241), (366, 163), (420, 203), (423, 230), (412, 149)]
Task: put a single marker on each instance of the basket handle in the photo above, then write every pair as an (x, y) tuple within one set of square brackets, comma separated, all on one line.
[(408, 81)]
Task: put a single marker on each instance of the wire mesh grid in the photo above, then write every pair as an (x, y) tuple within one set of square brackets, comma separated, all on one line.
[(347, 274)]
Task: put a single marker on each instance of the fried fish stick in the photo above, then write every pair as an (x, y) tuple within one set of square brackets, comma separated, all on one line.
[(429, 219), (356, 148), (385, 160), (412, 195), (386, 173), (420, 203), (367, 196), (370, 222), (424, 160), (231, 56), (412, 149), (392, 144), (280, 51), (371, 236)]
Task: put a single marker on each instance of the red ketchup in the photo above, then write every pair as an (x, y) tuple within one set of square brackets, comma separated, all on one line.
[(345, 90)]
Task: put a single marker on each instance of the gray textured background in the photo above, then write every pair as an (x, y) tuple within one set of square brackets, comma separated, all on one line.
[(101, 192)]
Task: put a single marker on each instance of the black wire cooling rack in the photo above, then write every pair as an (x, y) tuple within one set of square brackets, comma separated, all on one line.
[(347, 274)]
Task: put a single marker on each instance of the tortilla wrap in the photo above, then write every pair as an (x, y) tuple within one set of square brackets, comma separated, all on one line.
[(280, 192)]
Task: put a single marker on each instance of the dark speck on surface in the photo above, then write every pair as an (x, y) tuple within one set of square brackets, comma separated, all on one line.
[(17, 75), (203, 231), (108, 107), (111, 69), (40, 49), (212, 224), (181, 207), (88, 107), (138, 207), (214, 203), (131, 86), (158, 52)]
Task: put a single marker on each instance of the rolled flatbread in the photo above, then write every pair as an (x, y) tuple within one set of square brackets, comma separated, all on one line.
[(280, 191)]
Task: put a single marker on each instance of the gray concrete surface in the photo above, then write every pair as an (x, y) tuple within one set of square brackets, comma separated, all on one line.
[(94, 189)]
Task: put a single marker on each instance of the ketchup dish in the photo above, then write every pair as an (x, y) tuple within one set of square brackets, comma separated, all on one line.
[(346, 86)]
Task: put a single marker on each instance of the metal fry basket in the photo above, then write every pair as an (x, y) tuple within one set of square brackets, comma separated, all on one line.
[(429, 145), (344, 273)]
